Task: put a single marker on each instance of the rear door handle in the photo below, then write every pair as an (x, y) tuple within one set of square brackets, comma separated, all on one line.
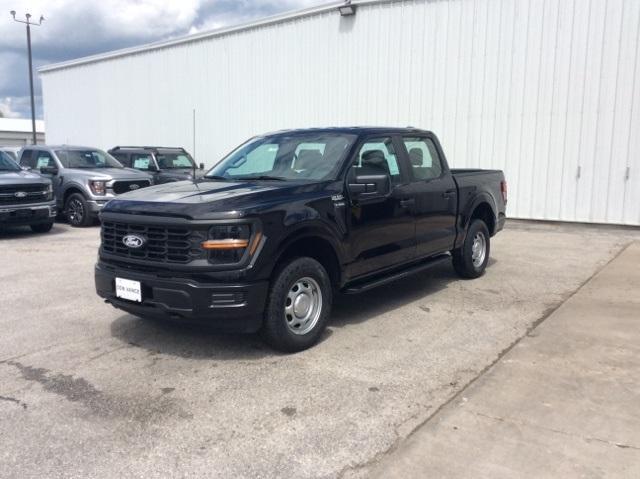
[(406, 203)]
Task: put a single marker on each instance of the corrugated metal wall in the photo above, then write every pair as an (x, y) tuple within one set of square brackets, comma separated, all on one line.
[(547, 90)]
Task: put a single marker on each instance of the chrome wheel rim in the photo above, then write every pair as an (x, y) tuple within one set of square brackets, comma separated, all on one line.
[(75, 212), (303, 305), (478, 250)]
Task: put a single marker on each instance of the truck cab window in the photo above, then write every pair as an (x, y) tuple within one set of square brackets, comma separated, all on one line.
[(140, 161), (378, 156), (423, 157), (26, 159), (43, 160)]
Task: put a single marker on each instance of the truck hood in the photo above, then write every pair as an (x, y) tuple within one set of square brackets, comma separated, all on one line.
[(211, 199), (180, 174), (109, 173), (21, 178)]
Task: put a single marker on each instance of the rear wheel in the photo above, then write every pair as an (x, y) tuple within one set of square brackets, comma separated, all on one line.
[(470, 260), (42, 227), (298, 307), (77, 211)]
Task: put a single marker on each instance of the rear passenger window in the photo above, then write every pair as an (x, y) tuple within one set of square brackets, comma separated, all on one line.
[(423, 157), (378, 156)]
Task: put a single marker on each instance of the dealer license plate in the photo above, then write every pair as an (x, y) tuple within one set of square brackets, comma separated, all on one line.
[(128, 289)]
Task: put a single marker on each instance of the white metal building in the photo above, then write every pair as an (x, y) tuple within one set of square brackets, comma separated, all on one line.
[(547, 90), (18, 132)]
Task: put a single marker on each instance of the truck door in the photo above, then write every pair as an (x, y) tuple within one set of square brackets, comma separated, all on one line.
[(435, 194), (382, 233), (45, 164)]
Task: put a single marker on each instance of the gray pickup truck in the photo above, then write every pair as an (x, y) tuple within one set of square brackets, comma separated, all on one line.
[(25, 198), (84, 179)]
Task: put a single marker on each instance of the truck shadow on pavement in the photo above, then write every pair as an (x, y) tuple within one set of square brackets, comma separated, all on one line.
[(203, 342), (16, 232)]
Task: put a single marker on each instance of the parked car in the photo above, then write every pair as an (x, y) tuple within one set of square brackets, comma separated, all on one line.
[(263, 241), (25, 198), (84, 178), (12, 151), (164, 164)]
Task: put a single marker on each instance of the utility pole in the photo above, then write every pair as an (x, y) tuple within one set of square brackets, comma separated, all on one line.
[(28, 23)]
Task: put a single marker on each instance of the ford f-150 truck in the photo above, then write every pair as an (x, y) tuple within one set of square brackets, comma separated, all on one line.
[(287, 220), (164, 164), (25, 198), (84, 178)]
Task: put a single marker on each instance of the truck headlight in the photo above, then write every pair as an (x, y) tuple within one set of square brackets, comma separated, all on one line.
[(227, 244), (48, 192), (98, 187)]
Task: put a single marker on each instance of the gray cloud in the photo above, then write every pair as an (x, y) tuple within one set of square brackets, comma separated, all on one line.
[(77, 28)]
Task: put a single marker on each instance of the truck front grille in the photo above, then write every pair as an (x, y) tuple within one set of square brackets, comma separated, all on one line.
[(163, 244), (120, 187), (21, 194)]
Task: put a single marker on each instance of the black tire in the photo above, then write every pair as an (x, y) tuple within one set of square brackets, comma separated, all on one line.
[(77, 211), (463, 257), (42, 227), (278, 326)]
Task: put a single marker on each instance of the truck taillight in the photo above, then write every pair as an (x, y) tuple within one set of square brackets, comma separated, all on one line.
[(503, 190)]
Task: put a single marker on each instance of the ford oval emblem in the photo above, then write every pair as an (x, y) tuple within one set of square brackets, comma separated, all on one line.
[(20, 194), (133, 241), (134, 186)]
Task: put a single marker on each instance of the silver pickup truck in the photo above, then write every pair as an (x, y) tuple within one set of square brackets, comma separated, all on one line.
[(84, 179), (25, 198)]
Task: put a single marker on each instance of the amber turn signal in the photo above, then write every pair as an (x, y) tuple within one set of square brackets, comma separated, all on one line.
[(225, 244)]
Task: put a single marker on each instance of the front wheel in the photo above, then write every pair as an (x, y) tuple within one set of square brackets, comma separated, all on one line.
[(77, 211), (298, 307), (470, 260)]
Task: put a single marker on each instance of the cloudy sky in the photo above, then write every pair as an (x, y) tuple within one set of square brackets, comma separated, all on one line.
[(77, 28)]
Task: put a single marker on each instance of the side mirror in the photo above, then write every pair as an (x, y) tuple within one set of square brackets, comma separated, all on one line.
[(152, 168), (369, 188), (202, 166), (49, 170)]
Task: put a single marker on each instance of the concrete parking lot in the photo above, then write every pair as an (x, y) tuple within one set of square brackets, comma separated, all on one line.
[(86, 390)]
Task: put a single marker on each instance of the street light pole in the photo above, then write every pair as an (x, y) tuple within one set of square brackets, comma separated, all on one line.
[(28, 22)]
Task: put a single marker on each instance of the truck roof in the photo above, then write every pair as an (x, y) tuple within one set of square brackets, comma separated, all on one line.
[(352, 130)]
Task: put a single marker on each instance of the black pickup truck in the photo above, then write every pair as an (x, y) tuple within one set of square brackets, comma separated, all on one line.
[(267, 237)]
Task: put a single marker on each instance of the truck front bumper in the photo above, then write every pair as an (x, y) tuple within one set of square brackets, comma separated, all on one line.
[(28, 214), (234, 307)]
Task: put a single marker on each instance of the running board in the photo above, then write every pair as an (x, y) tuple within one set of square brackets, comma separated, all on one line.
[(361, 287)]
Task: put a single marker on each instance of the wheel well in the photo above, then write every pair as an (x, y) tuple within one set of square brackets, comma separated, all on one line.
[(317, 248), (484, 212), (68, 193)]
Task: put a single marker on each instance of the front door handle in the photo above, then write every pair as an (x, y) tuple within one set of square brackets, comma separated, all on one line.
[(407, 202), (448, 194)]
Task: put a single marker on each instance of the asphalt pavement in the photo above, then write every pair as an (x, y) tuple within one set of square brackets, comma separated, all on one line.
[(89, 391)]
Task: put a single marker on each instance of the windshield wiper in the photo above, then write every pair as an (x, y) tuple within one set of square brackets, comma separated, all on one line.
[(260, 177), (215, 177)]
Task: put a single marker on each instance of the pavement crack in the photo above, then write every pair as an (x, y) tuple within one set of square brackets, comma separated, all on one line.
[(522, 423), (14, 400), (543, 316)]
